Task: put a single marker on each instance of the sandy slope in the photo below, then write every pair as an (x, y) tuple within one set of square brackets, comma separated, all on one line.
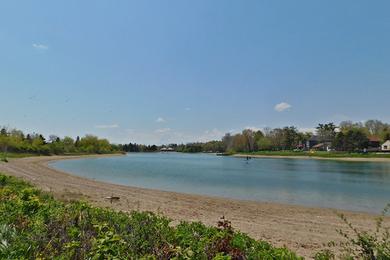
[(301, 229)]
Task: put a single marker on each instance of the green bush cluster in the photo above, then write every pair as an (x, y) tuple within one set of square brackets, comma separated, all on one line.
[(33, 225), (16, 142)]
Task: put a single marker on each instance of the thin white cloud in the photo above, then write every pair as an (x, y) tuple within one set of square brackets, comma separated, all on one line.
[(40, 46), (168, 135), (254, 128), (210, 135), (107, 126), (163, 130), (282, 107), (187, 109), (307, 129), (160, 120)]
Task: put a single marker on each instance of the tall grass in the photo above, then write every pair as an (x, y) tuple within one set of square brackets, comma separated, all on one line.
[(361, 244)]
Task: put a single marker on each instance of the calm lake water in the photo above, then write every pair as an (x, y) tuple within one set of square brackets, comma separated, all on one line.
[(332, 184)]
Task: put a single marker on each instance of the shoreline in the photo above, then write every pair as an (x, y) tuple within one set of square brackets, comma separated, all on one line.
[(302, 229), (305, 157)]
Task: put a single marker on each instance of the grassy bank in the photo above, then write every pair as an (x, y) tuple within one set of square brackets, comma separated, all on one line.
[(24, 155), (16, 155), (319, 154), (35, 225)]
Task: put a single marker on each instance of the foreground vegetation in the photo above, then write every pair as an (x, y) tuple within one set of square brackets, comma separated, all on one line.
[(33, 225)]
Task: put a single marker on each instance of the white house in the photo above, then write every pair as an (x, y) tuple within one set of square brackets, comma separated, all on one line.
[(386, 146), (165, 149)]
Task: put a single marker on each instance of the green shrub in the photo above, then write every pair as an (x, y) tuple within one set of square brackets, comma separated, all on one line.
[(3, 159), (325, 254)]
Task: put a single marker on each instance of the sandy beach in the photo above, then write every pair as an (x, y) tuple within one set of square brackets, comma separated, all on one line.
[(301, 229), (345, 159)]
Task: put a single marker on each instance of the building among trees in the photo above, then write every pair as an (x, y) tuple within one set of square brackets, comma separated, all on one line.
[(386, 146), (374, 144)]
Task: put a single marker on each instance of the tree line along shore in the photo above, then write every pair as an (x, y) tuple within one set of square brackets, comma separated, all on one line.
[(349, 139)]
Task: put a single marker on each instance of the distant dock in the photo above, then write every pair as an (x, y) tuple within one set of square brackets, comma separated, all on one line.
[(222, 154)]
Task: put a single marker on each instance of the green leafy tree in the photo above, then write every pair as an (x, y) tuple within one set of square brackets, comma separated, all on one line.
[(3, 132), (4, 143), (353, 140), (69, 145), (264, 144), (290, 138), (326, 132)]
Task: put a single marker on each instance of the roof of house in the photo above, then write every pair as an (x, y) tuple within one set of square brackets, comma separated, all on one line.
[(374, 139), (386, 143), (319, 145), (166, 149)]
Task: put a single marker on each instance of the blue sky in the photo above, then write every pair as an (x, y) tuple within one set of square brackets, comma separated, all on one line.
[(177, 71)]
